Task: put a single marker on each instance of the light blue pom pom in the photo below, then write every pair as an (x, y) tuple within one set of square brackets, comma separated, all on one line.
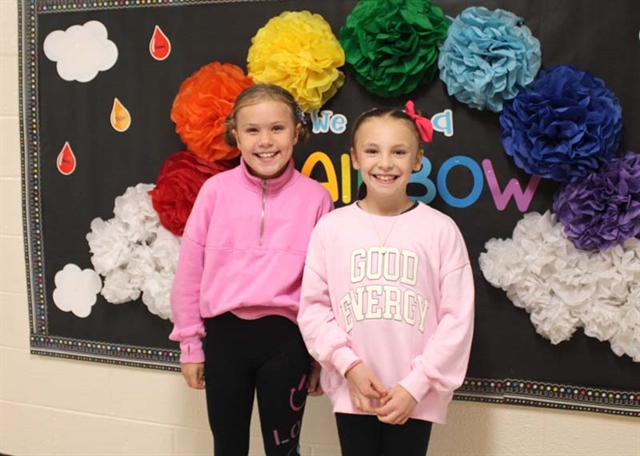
[(488, 57)]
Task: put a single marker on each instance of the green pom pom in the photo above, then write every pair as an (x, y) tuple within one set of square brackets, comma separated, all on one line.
[(392, 45)]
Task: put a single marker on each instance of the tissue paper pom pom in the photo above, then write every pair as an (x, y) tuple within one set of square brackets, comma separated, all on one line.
[(392, 45), (603, 209), (134, 253), (204, 101), (564, 288), (156, 293), (134, 209), (178, 184), (298, 52), (109, 244), (521, 266), (488, 57), (565, 126), (119, 288)]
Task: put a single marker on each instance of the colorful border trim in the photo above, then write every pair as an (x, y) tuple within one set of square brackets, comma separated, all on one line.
[(506, 391), (113, 361), (553, 395), (120, 354), (28, 100), (59, 6)]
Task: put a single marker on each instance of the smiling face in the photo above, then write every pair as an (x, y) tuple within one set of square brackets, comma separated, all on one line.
[(387, 151), (265, 134)]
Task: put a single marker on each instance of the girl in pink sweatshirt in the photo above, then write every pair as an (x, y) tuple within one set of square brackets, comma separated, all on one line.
[(239, 275), (387, 303)]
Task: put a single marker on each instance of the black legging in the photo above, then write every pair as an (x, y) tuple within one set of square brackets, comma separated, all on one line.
[(266, 355), (365, 435)]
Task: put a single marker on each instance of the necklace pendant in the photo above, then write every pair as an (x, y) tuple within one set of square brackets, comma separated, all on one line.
[(383, 251)]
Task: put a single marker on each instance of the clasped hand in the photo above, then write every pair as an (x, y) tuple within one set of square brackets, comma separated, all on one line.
[(391, 406)]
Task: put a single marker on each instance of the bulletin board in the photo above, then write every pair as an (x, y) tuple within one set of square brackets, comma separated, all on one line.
[(94, 138)]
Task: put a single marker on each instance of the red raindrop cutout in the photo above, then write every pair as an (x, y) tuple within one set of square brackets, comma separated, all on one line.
[(66, 161), (159, 46)]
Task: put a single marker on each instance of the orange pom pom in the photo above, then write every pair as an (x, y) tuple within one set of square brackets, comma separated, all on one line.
[(202, 104)]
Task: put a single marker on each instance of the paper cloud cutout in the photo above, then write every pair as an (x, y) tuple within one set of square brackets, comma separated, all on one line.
[(564, 288), (81, 51), (76, 290)]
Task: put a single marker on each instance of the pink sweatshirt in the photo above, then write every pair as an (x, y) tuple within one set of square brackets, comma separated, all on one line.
[(243, 251), (406, 310)]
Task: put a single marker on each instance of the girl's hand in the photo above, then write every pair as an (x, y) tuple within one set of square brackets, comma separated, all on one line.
[(363, 387), (396, 406), (193, 373), (314, 381)]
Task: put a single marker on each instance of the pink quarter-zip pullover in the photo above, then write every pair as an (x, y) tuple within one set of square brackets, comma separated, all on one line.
[(243, 251)]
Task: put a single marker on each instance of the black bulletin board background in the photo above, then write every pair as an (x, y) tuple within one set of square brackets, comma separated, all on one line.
[(509, 363)]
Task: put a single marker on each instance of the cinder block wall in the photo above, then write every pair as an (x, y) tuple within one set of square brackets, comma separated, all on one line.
[(60, 407)]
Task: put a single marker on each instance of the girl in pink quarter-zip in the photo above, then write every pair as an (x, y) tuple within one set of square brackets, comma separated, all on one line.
[(239, 275), (387, 303)]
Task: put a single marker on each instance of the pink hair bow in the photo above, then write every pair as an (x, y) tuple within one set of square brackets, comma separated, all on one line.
[(425, 127)]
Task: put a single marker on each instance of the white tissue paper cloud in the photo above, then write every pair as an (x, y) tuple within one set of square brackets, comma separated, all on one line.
[(564, 288), (76, 290), (81, 51), (135, 253)]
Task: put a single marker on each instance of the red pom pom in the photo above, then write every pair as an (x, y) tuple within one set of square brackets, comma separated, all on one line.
[(178, 184)]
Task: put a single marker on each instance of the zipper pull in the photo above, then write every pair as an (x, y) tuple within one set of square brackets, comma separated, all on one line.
[(264, 203)]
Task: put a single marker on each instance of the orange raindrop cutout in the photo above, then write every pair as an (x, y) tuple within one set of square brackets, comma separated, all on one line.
[(159, 46), (120, 117), (66, 161)]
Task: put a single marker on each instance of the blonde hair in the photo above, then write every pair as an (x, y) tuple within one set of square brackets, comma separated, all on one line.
[(260, 92)]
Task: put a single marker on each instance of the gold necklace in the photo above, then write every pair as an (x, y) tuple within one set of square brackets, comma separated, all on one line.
[(383, 243)]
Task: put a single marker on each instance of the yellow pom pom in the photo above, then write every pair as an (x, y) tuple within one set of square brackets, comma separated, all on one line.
[(299, 52)]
